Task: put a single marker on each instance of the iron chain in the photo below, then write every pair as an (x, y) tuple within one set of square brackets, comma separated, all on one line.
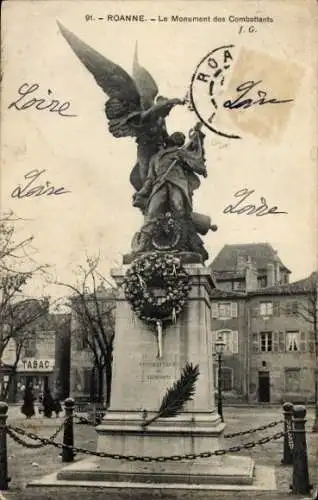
[(11, 431), (256, 429), (87, 421), (134, 458)]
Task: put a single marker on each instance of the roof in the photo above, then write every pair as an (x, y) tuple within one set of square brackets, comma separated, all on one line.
[(303, 286), (228, 275), (217, 293), (260, 254)]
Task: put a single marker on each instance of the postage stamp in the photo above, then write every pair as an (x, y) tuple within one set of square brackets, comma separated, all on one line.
[(242, 91)]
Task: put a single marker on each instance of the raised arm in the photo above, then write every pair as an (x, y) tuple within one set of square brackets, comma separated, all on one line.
[(161, 109)]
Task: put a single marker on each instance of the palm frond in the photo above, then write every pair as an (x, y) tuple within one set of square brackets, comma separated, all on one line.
[(178, 395)]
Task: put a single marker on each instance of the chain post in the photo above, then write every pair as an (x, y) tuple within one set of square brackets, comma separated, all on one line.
[(4, 479), (68, 436), (287, 449), (300, 484)]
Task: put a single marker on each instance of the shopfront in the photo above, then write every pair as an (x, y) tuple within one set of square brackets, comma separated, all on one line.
[(39, 372)]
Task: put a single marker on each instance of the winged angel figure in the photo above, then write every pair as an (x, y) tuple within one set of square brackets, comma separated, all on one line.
[(165, 174)]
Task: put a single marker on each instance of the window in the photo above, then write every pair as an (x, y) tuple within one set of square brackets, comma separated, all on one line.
[(238, 285), (291, 308), (226, 378), (292, 341), (224, 310), (294, 308), (292, 380), (262, 281), (266, 308), (284, 278), (226, 285), (266, 341), (29, 345), (230, 337)]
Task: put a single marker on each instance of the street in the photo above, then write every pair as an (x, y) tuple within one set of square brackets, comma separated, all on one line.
[(27, 464)]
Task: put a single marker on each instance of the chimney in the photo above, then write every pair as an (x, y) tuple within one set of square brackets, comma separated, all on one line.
[(277, 269), (250, 276), (270, 274)]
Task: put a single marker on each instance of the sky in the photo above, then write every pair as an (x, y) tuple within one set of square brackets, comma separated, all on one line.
[(96, 217)]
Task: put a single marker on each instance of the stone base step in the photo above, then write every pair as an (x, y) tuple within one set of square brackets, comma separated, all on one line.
[(215, 470), (231, 473)]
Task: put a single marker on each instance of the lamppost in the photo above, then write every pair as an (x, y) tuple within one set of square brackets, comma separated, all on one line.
[(219, 349)]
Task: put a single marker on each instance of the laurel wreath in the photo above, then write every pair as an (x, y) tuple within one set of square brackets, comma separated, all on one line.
[(150, 272)]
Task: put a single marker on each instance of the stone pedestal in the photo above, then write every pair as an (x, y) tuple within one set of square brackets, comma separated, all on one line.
[(140, 380)]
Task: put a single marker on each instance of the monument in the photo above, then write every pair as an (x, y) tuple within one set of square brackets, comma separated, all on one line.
[(162, 397)]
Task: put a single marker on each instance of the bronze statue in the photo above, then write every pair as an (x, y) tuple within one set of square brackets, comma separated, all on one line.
[(165, 173)]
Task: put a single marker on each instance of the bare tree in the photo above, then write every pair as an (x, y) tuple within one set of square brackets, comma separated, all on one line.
[(18, 314), (92, 302), (308, 311)]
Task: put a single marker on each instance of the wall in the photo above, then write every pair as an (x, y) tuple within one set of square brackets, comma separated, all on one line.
[(237, 360), (279, 359)]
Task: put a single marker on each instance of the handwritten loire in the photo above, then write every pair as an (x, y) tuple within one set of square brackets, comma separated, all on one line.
[(24, 102), (259, 98), (30, 188), (250, 209)]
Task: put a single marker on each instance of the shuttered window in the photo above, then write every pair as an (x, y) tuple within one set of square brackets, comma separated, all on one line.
[(235, 342), (276, 308), (282, 343), (233, 309), (302, 341), (230, 337), (255, 342), (255, 310), (224, 310)]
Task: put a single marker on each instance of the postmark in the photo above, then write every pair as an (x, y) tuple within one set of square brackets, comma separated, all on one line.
[(235, 92), (206, 87)]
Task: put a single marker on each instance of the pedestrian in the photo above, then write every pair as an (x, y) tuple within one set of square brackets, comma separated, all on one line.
[(40, 403), (57, 406), (48, 403), (28, 402)]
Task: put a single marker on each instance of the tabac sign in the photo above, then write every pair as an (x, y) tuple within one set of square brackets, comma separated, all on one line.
[(36, 365)]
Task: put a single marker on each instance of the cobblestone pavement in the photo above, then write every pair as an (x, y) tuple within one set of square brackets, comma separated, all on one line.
[(26, 465)]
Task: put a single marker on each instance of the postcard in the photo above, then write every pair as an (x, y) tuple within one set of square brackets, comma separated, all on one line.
[(136, 128)]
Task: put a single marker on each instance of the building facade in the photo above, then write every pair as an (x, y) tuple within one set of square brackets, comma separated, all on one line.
[(282, 350), (270, 353), (228, 319), (39, 361)]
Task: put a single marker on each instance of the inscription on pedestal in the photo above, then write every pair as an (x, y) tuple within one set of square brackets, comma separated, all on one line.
[(159, 369)]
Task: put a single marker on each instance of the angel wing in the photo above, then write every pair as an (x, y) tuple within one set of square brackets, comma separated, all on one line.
[(124, 99), (145, 83)]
